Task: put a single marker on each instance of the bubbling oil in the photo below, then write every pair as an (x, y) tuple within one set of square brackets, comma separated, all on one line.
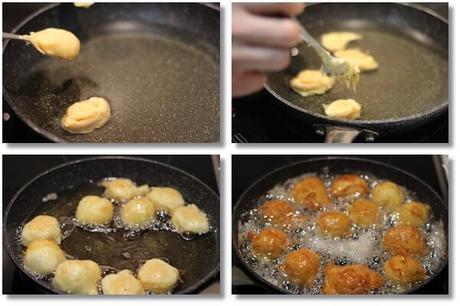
[(363, 246)]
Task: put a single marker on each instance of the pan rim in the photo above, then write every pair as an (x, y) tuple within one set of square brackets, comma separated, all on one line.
[(18, 264), (370, 123), (235, 218), (35, 127)]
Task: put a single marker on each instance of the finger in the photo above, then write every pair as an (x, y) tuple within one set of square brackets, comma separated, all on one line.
[(247, 83), (285, 9), (246, 58)]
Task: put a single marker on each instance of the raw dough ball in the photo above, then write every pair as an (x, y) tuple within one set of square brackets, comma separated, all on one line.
[(190, 219), (403, 270), (413, 213), (404, 240), (302, 266), (364, 213), (85, 116), (350, 279), (138, 212), (311, 82), (388, 195), (277, 211), (122, 189), (343, 109), (94, 210), (270, 242), (78, 277), (55, 42), (311, 193), (122, 283), (43, 256), (158, 276), (335, 41), (365, 61), (41, 227), (166, 198), (334, 223), (348, 184)]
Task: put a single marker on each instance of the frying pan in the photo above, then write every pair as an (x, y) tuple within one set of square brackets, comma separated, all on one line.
[(409, 89), (335, 165), (198, 259), (156, 63)]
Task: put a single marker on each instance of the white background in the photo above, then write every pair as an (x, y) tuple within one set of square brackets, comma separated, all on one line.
[(226, 149)]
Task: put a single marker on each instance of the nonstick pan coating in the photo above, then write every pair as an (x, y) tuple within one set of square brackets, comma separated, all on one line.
[(411, 46), (198, 259), (157, 64), (335, 165)]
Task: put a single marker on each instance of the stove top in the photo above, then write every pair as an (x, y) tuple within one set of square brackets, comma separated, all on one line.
[(14, 281)]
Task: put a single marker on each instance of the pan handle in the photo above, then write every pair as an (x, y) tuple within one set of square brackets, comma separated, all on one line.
[(342, 134)]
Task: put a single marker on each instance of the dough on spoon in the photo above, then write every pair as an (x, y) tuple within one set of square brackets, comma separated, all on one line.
[(311, 82), (85, 116), (365, 61), (55, 42), (335, 41), (343, 109)]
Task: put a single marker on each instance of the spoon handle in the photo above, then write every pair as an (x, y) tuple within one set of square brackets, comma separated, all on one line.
[(12, 36)]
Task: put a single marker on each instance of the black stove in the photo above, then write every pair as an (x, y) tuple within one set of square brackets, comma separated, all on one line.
[(246, 169), (18, 170)]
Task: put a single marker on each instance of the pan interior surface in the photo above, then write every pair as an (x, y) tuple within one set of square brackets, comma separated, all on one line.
[(412, 77)]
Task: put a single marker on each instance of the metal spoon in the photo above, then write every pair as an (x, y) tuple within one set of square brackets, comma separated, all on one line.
[(13, 36)]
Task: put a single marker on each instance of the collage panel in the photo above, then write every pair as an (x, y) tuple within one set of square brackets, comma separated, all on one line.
[(340, 225), (111, 225)]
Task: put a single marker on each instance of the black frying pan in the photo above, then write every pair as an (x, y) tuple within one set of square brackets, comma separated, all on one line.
[(156, 63), (198, 259), (335, 165), (409, 89)]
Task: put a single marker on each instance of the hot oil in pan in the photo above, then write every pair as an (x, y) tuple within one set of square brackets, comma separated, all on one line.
[(161, 88), (412, 77), (115, 249)]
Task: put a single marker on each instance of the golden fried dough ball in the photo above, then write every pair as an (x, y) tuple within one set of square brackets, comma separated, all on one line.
[(166, 198), (413, 213), (334, 41), (43, 256), (404, 240), (311, 193), (270, 242), (302, 266), (388, 195), (94, 210), (334, 223), (348, 184), (122, 283), (350, 279), (311, 82), (78, 277), (403, 270), (364, 213), (157, 276), (41, 227), (138, 212), (122, 189), (190, 219), (278, 211)]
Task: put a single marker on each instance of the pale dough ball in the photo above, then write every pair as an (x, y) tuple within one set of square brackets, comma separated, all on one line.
[(335, 41), (83, 4), (343, 109), (311, 82), (122, 283), (190, 219), (43, 256), (157, 276), (78, 277), (41, 227), (138, 212), (365, 61), (55, 42), (388, 195), (166, 198), (94, 210), (85, 116), (122, 189)]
